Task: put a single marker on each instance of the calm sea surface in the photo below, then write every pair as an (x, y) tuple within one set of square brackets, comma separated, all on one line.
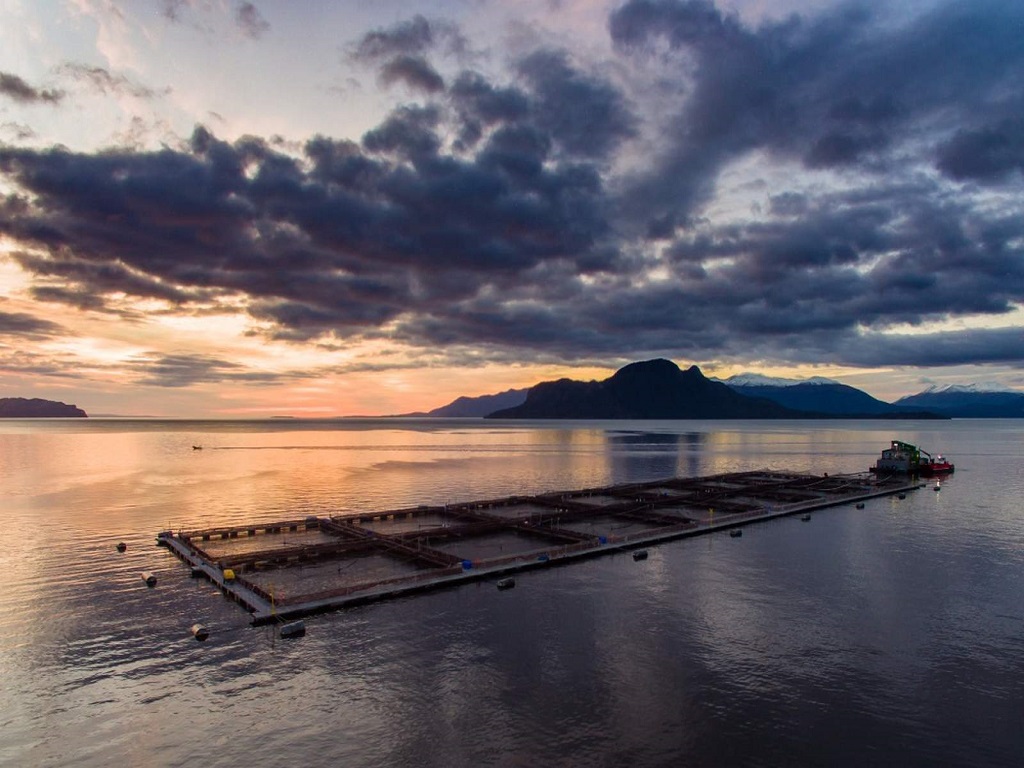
[(892, 635)]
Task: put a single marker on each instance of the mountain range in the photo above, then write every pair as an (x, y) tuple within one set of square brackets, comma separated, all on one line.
[(967, 402), (971, 401), (817, 395), (659, 389)]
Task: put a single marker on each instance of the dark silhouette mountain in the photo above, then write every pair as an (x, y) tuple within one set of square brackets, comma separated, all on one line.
[(464, 407), (35, 408), (968, 403), (654, 389), (818, 395)]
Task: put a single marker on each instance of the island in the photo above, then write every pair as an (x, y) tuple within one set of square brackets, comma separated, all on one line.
[(659, 389), (37, 408)]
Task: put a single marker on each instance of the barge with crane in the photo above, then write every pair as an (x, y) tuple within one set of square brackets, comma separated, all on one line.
[(907, 459)]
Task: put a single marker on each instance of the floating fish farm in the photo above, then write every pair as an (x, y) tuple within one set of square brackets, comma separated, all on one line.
[(282, 570)]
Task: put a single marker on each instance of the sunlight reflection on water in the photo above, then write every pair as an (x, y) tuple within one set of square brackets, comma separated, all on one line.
[(847, 640)]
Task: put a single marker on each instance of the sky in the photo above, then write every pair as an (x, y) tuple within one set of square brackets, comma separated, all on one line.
[(213, 208)]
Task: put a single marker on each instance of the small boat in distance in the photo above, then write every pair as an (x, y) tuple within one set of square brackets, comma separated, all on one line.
[(904, 458)]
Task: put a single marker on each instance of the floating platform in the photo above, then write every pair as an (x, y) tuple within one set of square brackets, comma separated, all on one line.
[(283, 570)]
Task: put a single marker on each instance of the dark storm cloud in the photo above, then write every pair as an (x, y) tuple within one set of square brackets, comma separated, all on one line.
[(345, 241), (14, 87), (77, 278), (28, 326), (410, 132), (852, 260), (585, 114), (105, 81), (412, 37), (977, 346), (481, 105), (807, 287), (77, 298), (488, 221), (414, 71), (838, 90), (249, 20), (481, 100), (401, 52), (986, 154), (186, 370)]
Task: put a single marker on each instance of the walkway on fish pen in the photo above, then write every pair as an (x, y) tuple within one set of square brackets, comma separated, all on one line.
[(283, 570)]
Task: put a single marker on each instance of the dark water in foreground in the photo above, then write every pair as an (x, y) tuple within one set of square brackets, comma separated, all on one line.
[(891, 635)]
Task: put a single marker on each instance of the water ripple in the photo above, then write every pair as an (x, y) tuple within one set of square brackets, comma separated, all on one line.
[(889, 634)]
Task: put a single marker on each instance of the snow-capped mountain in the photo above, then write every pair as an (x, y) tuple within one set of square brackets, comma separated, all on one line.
[(760, 380), (976, 387), (816, 395)]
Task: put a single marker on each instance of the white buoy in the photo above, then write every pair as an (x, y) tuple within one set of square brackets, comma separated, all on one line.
[(200, 632)]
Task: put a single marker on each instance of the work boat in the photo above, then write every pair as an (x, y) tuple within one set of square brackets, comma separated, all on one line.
[(904, 458)]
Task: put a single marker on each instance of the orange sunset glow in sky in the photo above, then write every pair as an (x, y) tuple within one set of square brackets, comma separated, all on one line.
[(213, 208)]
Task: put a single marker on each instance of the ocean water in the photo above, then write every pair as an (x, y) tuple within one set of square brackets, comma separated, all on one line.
[(892, 635)]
